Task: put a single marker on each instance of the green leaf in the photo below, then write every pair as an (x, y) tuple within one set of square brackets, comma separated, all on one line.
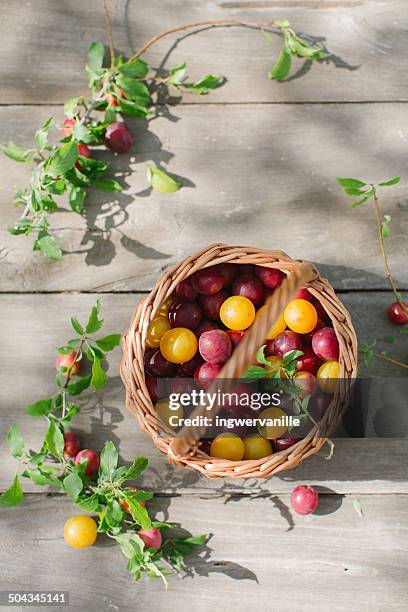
[(76, 326), (40, 408), (98, 375), (138, 512), (134, 90), (138, 467), (62, 160), (389, 339), (57, 187), (49, 246), (135, 68), (303, 49), (96, 54), (132, 109), (80, 385), (71, 107), (161, 525), (260, 356), (110, 114), (73, 485), (161, 181), (109, 459), (392, 181), (83, 134), (291, 356), (15, 441), (177, 75), (139, 496), (114, 514), (93, 351), (13, 495), (196, 540), (204, 85), (92, 167), (358, 507), (108, 343), (18, 153), (354, 191), (94, 323), (366, 197), (282, 23), (385, 227), (255, 372), (350, 183), (77, 198), (41, 135), (38, 458), (131, 544), (41, 479), (48, 204), (107, 185), (54, 440), (73, 410), (89, 504), (282, 66)]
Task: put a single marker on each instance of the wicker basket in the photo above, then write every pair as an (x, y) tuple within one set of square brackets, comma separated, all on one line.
[(186, 452)]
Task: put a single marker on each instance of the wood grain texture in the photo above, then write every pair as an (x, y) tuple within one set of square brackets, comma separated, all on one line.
[(333, 557), (258, 175), (366, 38), (33, 325)]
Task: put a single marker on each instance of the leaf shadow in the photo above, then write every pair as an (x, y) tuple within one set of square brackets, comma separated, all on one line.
[(105, 214)]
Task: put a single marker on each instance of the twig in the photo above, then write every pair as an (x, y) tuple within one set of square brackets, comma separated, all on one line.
[(198, 24), (384, 255), (109, 31), (391, 360), (98, 98), (69, 374)]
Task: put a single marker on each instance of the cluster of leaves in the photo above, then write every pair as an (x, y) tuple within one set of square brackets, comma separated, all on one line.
[(60, 168), (265, 370), (364, 191), (293, 46), (102, 496), (282, 377), (369, 349)]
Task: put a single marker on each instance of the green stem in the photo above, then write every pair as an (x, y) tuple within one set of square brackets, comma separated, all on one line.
[(378, 217), (109, 31)]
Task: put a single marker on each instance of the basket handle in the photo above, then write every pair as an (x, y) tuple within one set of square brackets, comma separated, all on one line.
[(241, 358)]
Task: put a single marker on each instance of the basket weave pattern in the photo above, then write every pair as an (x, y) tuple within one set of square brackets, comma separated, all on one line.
[(186, 452)]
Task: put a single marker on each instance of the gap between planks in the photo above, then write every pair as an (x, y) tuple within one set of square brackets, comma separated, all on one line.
[(248, 103)]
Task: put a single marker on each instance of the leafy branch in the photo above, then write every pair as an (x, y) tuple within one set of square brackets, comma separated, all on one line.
[(104, 491), (294, 45), (266, 369), (369, 191), (118, 87)]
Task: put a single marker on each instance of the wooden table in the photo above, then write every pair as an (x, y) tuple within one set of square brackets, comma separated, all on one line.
[(262, 158)]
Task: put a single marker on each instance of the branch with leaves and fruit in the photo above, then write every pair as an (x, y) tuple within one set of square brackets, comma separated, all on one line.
[(397, 311), (119, 87), (94, 482)]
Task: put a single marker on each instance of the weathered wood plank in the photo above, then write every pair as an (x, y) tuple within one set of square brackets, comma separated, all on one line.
[(35, 324), (334, 556), (44, 44), (263, 176)]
